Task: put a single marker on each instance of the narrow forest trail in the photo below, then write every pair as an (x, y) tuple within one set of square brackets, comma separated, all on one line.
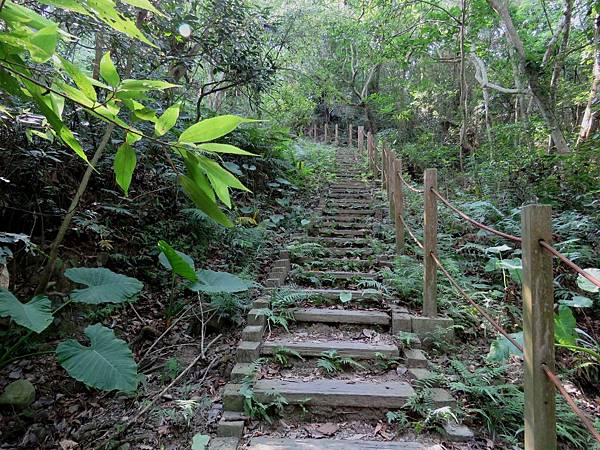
[(348, 356)]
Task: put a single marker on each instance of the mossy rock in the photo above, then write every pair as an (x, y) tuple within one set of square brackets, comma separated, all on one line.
[(20, 394)]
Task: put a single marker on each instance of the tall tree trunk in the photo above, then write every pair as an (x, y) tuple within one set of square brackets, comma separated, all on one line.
[(532, 76), (591, 116)]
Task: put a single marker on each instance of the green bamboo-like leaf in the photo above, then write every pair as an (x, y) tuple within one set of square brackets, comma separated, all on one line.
[(224, 148), (203, 202), (81, 80), (178, 262), (107, 363), (104, 285), (210, 129), (35, 315), (144, 4), (108, 71), (145, 85), (43, 43), (167, 120), (124, 165)]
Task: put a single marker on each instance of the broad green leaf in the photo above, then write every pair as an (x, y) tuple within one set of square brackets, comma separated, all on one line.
[(498, 249), (107, 363), (132, 138), (200, 441), (210, 129), (35, 315), (203, 202), (514, 267), (345, 297), (104, 285), (564, 326), (502, 348), (43, 44), (145, 85), (578, 301), (178, 262), (124, 165), (108, 71), (224, 148), (214, 282), (213, 169), (196, 174), (144, 4), (167, 120), (586, 285)]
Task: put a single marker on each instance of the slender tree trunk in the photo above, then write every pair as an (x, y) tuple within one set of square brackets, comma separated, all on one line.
[(559, 61), (464, 102), (591, 116), (532, 77)]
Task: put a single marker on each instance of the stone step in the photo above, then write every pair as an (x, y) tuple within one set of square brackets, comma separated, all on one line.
[(352, 251), (356, 350), (361, 232), (343, 275), (333, 294), (265, 443), (340, 393), (341, 316), (332, 225), (348, 212), (350, 262), (343, 242)]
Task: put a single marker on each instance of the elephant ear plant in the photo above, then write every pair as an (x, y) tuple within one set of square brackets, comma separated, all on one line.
[(107, 362)]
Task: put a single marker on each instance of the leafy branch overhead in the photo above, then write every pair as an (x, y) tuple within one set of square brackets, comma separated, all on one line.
[(32, 40)]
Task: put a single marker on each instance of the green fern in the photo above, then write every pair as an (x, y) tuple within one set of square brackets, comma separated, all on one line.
[(282, 356), (331, 362)]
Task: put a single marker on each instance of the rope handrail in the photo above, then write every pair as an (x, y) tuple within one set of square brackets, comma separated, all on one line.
[(411, 188), (479, 308), (411, 234), (473, 221), (551, 375), (569, 263), (561, 389)]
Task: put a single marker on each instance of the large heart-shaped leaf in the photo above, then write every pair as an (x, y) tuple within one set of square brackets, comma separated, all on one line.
[(564, 326), (35, 315), (104, 285), (213, 282), (502, 348), (106, 364), (586, 284), (178, 262)]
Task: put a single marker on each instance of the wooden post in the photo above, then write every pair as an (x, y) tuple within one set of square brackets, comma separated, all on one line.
[(337, 135), (398, 206), (384, 167), (391, 184), (538, 328), (361, 138), (350, 135), (430, 245), (370, 152), (325, 132)]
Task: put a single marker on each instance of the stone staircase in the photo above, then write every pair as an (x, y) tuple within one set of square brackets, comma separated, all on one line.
[(334, 311)]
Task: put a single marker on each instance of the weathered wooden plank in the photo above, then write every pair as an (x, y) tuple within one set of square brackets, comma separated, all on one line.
[(264, 443), (341, 316), (388, 395), (357, 350)]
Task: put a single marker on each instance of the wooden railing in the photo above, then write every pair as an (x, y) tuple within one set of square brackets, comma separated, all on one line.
[(540, 381)]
